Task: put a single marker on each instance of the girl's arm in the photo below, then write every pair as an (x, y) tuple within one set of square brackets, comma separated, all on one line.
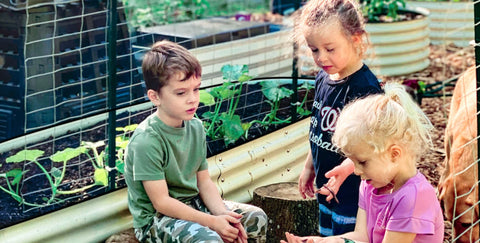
[(358, 235), (398, 237), (307, 178), (336, 177)]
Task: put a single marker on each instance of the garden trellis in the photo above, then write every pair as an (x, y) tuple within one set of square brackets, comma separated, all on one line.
[(55, 85), (72, 91)]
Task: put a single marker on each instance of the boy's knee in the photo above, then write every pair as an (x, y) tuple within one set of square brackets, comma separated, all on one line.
[(256, 223)]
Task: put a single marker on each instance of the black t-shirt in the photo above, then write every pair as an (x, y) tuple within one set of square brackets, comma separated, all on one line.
[(330, 98)]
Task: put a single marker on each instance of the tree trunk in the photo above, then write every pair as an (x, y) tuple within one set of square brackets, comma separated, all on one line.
[(287, 211)]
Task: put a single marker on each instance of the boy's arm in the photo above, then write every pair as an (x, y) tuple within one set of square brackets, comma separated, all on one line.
[(209, 193), (158, 193), (211, 198)]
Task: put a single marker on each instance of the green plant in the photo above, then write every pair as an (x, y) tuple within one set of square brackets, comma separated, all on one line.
[(373, 9), (121, 143), (302, 108), (145, 13), (55, 176), (226, 125), (14, 176), (274, 93)]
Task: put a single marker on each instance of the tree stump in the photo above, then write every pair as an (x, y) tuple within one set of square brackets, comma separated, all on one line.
[(287, 211)]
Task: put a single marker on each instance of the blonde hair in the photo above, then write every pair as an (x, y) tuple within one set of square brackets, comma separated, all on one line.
[(381, 119)]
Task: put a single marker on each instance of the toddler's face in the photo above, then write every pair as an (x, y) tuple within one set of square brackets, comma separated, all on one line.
[(331, 49), (376, 168)]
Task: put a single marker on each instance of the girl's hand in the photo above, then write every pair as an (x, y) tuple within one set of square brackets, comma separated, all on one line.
[(336, 178), (291, 238), (305, 182)]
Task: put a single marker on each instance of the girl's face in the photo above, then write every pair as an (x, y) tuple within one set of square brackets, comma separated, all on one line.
[(332, 50), (178, 100), (378, 169)]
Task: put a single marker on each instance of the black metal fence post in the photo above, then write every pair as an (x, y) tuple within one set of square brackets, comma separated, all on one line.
[(294, 104), (112, 90)]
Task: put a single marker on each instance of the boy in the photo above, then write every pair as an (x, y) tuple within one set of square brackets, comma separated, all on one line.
[(170, 193)]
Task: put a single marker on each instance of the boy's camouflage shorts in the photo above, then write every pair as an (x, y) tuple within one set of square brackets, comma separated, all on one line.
[(166, 229)]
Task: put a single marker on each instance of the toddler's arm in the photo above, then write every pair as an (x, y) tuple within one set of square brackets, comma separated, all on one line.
[(337, 176), (398, 237), (307, 178), (358, 235)]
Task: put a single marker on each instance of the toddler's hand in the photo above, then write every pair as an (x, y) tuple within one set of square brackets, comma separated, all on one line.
[(305, 183), (291, 238), (336, 178)]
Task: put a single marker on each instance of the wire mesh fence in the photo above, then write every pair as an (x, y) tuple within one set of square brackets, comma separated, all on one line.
[(55, 85)]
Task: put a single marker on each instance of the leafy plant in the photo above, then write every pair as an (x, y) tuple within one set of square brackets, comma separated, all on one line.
[(373, 9), (274, 93), (301, 107), (121, 143), (145, 13), (55, 176), (226, 125), (14, 176)]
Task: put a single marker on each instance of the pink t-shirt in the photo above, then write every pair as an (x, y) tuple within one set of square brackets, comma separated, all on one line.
[(414, 208)]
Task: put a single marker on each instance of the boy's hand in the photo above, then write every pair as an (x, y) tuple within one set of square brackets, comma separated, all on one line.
[(229, 227), (336, 178), (242, 234), (305, 182)]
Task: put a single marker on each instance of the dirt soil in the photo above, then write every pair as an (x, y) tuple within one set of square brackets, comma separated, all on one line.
[(446, 62)]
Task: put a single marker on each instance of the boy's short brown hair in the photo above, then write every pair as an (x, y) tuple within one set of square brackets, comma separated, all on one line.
[(165, 59)]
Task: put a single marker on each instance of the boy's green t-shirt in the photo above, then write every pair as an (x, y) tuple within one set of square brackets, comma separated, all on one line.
[(160, 152)]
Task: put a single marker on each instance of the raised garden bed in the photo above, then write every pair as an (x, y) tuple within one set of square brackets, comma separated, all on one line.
[(45, 185)]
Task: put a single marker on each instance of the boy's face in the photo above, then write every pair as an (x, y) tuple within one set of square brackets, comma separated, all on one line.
[(177, 100)]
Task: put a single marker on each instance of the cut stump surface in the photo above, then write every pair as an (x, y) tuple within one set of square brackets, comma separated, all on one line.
[(287, 211)]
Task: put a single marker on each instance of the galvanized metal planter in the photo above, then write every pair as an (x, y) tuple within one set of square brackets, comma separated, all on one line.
[(267, 55), (450, 22), (397, 48), (276, 157)]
